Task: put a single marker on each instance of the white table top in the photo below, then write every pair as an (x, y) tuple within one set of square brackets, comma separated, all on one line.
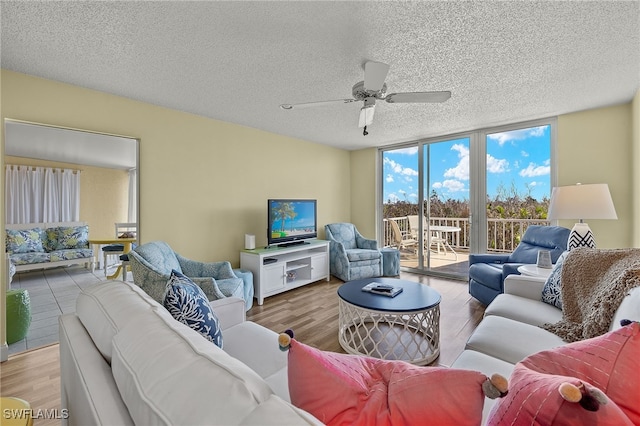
[(533, 271)]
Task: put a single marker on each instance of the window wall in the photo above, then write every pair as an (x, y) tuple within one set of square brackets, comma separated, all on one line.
[(470, 193)]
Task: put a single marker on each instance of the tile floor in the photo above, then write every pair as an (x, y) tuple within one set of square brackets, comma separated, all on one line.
[(52, 292)]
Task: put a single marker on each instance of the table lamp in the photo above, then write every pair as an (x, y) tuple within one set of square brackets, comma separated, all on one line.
[(580, 202)]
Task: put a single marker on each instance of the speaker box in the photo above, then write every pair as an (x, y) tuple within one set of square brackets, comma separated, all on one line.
[(249, 241)]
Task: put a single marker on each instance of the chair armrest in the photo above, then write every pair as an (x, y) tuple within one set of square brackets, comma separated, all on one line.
[(193, 268), (365, 243), (524, 286), (488, 258), (230, 311)]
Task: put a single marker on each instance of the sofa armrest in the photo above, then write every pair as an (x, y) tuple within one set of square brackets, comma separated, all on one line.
[(230, 311), (524, 286)]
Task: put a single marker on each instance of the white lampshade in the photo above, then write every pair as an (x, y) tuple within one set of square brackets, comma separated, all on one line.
[(580, 202)]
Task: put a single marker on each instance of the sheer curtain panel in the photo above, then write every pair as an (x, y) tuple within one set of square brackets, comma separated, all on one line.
[(39, 194)]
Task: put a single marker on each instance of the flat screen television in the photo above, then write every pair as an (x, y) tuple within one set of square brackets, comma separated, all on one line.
[(291, 221)]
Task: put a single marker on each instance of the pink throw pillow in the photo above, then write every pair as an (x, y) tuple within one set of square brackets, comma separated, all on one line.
[(534, 399), (610, 362), (342, 389)]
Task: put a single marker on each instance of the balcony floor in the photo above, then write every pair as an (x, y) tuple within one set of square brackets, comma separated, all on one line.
[(445, 263)]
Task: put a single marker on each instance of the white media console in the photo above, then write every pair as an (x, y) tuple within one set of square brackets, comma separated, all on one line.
[(277, 269)]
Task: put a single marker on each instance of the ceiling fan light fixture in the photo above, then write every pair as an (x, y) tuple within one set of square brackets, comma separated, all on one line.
[(366, 115)]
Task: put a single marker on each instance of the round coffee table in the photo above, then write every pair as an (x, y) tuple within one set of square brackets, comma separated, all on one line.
[(405, 327)]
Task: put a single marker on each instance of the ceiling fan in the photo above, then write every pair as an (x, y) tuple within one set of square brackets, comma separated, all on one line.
[(374, 88)]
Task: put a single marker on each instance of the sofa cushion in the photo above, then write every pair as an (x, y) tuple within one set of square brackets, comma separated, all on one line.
[(70, 254), (523, 309), (29, 258), (276, 412), (187, 303), (107, 307), (510, 340), (534, 399), (551, 291), (67, 237), (355, 390), (610, 362), (156, 354), (24, 240)]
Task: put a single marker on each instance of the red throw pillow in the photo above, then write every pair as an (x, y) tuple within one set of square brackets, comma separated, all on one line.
[(534, 399), (610, 362), (357, 390)]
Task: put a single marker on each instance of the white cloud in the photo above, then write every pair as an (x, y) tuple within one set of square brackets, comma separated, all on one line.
[(524, 153), (495, 165), (437, 185), (515, 135), (399, 168), (534, 170), (453, 185), (461, 170), (389, 178), (393, 198)]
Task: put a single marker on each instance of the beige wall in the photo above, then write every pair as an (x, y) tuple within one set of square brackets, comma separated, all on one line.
[(635, 159), (595, 146), (364, 178), (203, 183), (103, 194)]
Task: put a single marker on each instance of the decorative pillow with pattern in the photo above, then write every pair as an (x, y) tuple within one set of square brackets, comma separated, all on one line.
[(24, 240), (551, 293), (188, 304), (68, 237)]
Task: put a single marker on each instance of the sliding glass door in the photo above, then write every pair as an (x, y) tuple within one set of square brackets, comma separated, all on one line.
[(444, 199)]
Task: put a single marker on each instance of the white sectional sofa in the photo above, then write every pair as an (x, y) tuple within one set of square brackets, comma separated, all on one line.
[(124, 360), (509, 331)]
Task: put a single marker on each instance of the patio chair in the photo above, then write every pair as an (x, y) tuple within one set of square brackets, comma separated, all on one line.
[(488, 271), (152, 263), (351, 255), (402, 240)]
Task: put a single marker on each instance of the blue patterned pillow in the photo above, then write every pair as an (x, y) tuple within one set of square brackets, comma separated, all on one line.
[(68, 237), (24, 240), (188, 304), (551, 293)]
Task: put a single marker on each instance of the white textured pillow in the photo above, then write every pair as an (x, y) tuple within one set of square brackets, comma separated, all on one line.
[(551, 292), (106, 308), (168, 374)]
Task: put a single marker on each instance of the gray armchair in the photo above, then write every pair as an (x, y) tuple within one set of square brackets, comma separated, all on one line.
[(351, 255), (488, 271), (151, 265)]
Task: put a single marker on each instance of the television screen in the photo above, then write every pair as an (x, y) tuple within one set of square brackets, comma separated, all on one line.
[(291, 221)]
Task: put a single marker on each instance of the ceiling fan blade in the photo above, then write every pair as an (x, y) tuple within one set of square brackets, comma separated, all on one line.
[(418, 97), (315, 104), (374, 75), (366, 115)]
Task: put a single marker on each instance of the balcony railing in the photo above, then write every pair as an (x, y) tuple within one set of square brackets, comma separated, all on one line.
[(503, 235)]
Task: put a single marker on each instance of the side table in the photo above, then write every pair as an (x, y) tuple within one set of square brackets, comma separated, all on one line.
[(533, 271)]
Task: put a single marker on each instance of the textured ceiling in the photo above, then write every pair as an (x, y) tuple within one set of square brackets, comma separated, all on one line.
[(504, 62)]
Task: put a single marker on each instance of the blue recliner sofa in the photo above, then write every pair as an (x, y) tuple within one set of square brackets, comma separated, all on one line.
[(352, 256), (488, 271)]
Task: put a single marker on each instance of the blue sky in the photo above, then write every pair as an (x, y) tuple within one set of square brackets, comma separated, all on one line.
[(519, 158)]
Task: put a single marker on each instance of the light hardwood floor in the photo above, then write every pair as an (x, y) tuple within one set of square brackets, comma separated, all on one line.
[(311, 311)]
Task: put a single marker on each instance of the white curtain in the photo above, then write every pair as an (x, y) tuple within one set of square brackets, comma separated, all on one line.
[(133, 196), (41, 194)]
